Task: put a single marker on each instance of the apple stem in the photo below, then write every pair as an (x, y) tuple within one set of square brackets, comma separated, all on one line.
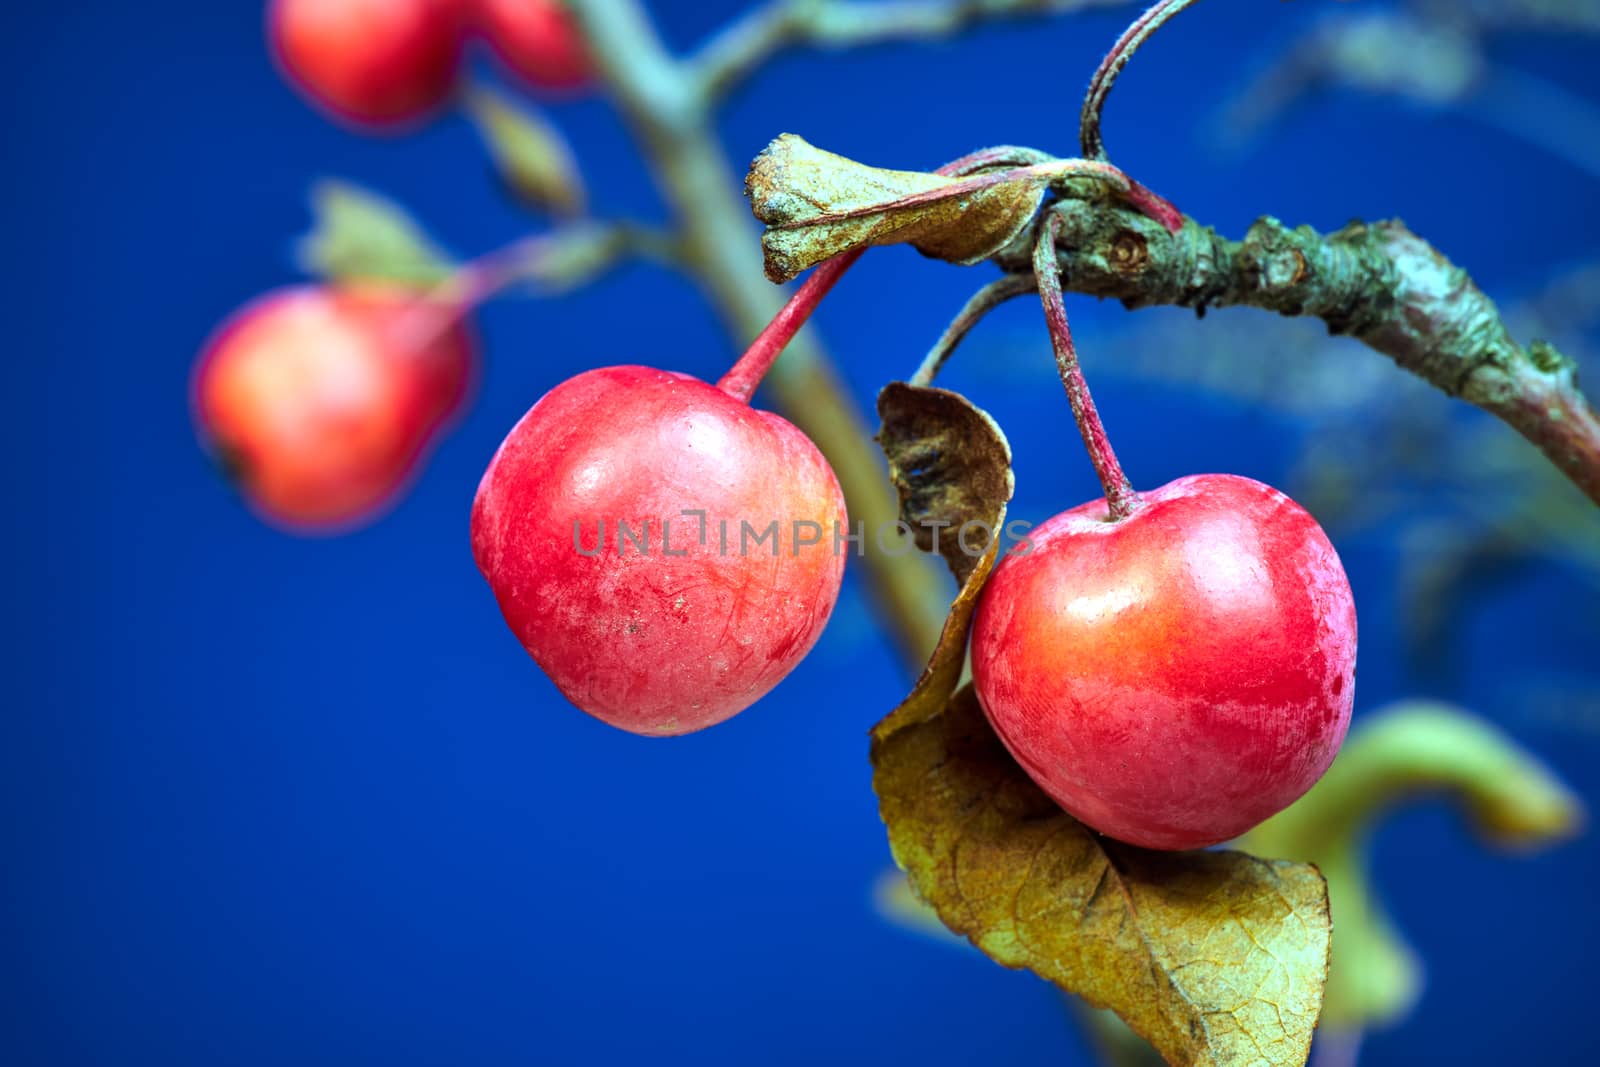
[(982, 302), (740, 382), (440, 308), (481, 279), (1092, 146), (1121, 500)]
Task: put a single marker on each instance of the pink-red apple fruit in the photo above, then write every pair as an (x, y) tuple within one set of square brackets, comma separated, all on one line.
[(664, 551), (537, 40), (322, 401), (1174, 678)]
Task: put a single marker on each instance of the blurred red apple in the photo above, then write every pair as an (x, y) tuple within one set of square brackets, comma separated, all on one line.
[(537, 40), (321, 401), (373, 63)]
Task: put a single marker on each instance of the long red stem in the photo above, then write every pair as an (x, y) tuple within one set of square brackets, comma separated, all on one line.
[(1106, 76), (1121, 500), (741, 381)]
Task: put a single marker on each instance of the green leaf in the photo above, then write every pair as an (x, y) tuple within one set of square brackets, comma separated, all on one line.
[(1411, 750), (1215, 958), (358, 235), (817, 205), (531, 154)]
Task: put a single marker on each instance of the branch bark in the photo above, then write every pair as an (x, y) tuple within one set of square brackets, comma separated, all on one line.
[(662, 102), (747, 43), (1380, 283)]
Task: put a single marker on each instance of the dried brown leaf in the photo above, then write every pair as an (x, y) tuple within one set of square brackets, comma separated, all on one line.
[(950, 463), (952, 466), (816, 205), (1215, 958)]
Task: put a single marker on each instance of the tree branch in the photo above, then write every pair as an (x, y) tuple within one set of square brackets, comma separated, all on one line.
[(750, 41), (656, 94), (1485, 15), (1378, 282)]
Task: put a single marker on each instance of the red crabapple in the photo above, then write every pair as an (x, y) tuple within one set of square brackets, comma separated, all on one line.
[(1171, 668), (537, 40), (322, 401), (373, 63), (665, 552), (1173, 677)]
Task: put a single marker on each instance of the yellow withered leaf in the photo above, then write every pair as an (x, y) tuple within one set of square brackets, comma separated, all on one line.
[(816, 205), (1218, 959)]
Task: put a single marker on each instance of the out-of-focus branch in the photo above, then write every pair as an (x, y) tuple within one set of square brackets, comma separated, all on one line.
[(1379, 283), (745, 44), (1441, 56), (1413, 750), (659, 96), (1554, 15)]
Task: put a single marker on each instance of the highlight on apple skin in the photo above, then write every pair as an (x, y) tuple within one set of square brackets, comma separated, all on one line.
[(621, 527), (321, 402), (1174, 678)]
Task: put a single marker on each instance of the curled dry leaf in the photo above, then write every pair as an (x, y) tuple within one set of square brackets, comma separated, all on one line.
[(950, 463), (952, 466), (1402, 754), (1215, 958), (531, 154), (358, 235), (816, 205)]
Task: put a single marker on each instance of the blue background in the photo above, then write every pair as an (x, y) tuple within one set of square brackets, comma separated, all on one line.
[(275, 800)]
